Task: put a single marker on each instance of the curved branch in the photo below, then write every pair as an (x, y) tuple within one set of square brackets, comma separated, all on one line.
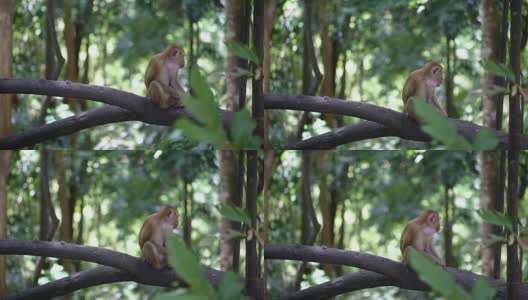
[(119, 267), (406, 128), (399, 274), (88, 119), (341, 285), (130, 107), (343, 135)]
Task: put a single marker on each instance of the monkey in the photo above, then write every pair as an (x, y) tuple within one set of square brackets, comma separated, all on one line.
[(153, 235), (161, 77), (418, 234), (422, 83)]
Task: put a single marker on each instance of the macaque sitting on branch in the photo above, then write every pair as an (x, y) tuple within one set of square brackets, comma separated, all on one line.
[(161, 77), (422, 83), (418, 234), (153, 236)]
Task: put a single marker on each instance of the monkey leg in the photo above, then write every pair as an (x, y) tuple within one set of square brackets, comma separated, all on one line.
[(158, 92), (153, 255), (431, 255), (409, 109), (174, 99)]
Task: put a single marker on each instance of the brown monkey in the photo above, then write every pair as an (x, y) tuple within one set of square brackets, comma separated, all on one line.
[(418, 234), (422, 83), (161, 77), (153, 235)]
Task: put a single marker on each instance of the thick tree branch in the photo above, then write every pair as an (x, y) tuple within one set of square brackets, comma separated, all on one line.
[(344, 135), (399, 274), (119, 267), (131, 108), (341, 285), (405, 127)]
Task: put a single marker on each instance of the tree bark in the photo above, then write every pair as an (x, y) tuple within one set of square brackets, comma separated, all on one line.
[(325, 201), (488, 159), (227, 160), (513, 268), (7, 13), (327, 55)]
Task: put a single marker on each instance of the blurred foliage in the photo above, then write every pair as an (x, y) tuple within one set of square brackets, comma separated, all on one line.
[(389, 39), (119, 189), (443, 284), (375, 193), (188, 266), (117, 40)]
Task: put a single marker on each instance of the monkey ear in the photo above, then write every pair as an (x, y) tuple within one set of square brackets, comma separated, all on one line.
[(436, 69)]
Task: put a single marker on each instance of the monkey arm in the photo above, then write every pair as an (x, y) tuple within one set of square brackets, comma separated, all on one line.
[(439, 107), (432, 253)]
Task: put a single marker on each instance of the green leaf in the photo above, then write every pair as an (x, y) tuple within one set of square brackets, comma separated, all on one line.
[(215, 136), (485, 140), (234, 213), (242, 128), (438, 126), (179, 295), (436, 277), (186, 264), (498, 69), (242, 51), (482, 290), (230, 287), (495, 218)]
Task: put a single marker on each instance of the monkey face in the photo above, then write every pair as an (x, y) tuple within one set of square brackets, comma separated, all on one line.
[(434, 221), (172, 218), (438, 75)]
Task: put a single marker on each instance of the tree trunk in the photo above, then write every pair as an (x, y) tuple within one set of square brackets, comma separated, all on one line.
[(448, 229), (66, 227), (187, 199), (269, 12), (449, 78), (325, 202), (72, 66), (227, 160), (7, 12), (513, 268), (488, 159), (327, 53)]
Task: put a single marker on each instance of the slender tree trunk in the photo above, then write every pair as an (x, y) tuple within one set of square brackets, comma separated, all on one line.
[(449, 78), (326, 53), (227, 159), (513, 269), (269, 12), (7, 12), (187, 198), (326, 204), (499, 99), (72, 65), (65, 208), (448, 229), (488, 159), (228, 189)]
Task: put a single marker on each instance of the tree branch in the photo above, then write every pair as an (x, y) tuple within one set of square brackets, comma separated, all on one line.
[(399, 274), (347, 134), (131, 108), (404, 126), (117, 267), (341, 285)]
